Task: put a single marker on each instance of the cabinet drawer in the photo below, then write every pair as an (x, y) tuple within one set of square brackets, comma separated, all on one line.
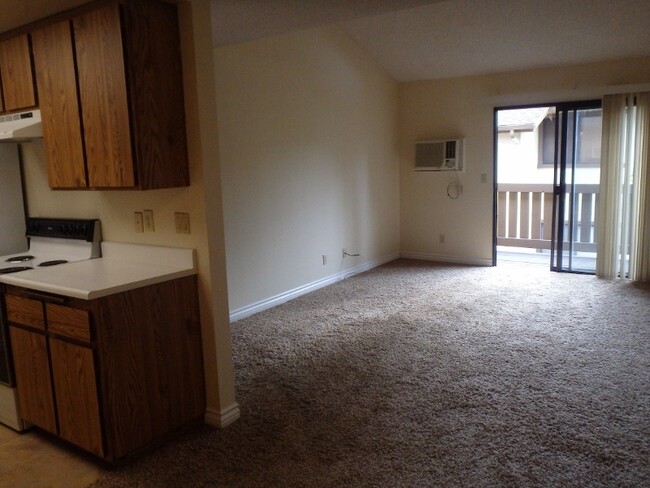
[(25, 311), (68, 322)]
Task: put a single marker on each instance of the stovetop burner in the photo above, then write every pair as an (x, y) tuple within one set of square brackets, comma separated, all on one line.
[(19, 259), (14, 269), (53, 262)]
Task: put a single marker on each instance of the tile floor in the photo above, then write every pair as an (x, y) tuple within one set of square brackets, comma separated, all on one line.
[(31, 460)]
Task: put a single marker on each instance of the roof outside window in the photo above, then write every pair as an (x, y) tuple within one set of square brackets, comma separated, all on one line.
[(522, 119)]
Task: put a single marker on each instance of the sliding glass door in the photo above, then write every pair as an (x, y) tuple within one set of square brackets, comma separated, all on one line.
[(576, 185)]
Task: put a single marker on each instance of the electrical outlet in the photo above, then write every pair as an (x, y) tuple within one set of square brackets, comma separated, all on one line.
[(147, 215), (324, 259), (137, 222), (442, 238), (483, 177), (182, 222), (344, 253)]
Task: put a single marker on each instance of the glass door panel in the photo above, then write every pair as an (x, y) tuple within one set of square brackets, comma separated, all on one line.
[(576, 188)]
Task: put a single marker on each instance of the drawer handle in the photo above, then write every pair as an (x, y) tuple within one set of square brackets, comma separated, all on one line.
[(46, 298)]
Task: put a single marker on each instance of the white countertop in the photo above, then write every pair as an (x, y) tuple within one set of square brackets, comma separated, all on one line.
[(122, 267)]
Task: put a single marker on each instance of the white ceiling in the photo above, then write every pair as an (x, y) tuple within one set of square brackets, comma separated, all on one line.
[(244, 20), (450, 38), (427, 39)]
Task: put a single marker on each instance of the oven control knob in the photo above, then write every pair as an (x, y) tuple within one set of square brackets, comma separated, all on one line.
[(32, 226)]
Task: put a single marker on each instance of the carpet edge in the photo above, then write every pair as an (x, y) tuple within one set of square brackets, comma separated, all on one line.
[(281, 298)]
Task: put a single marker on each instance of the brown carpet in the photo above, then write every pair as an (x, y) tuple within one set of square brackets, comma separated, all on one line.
[(421, 375)]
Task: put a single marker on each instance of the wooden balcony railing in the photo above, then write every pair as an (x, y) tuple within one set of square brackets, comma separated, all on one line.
[(525, 214)]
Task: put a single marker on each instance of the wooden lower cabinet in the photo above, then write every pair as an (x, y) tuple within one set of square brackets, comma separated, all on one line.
[(73, 375), (33, 378), (114, 375)]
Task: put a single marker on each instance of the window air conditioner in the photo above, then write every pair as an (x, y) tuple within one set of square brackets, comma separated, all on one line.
[(444, 155)]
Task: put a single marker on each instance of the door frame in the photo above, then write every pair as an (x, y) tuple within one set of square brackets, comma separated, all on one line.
[(577, 104)]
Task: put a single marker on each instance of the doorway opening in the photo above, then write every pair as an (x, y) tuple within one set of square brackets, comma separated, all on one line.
[(547, 166)]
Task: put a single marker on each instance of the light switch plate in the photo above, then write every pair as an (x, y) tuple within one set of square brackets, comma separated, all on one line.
[(182, 222)]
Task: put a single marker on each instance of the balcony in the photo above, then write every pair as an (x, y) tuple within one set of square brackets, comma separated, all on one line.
[(524, 223)]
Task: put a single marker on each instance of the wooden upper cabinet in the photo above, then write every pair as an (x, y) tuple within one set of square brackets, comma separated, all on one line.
[(16, 74), (155, 84), (117, 70), (56, 80), (103, 95)]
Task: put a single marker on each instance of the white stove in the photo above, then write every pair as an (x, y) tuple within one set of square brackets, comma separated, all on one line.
[(52, 242), (55, 241)]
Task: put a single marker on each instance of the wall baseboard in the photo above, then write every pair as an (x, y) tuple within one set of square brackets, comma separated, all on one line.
[(271, 302), (222, 418), (443, 258)]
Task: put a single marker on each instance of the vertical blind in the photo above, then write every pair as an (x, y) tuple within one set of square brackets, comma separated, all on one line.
[(623, 230)]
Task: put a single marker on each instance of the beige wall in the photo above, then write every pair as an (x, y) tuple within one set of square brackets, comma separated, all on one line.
[(115, 208), (464, 107), (307, 127)]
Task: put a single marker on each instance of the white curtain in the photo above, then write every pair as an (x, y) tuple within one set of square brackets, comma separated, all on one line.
[(623, 241), (641, 259)]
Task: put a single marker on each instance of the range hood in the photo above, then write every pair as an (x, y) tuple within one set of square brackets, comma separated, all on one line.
[(20, 127)]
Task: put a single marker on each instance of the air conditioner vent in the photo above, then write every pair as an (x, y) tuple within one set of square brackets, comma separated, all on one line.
[(443, 155), (450, 149)]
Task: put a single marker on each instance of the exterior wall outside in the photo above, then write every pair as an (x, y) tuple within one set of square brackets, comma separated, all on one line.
[(518, 157), (518, 162), (307, 127)]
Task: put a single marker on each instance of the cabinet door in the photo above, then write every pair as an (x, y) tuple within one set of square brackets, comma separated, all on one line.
[(73, 371), (104, 99), (155, 83), (16, 73), (35, 399), (57, 86)]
